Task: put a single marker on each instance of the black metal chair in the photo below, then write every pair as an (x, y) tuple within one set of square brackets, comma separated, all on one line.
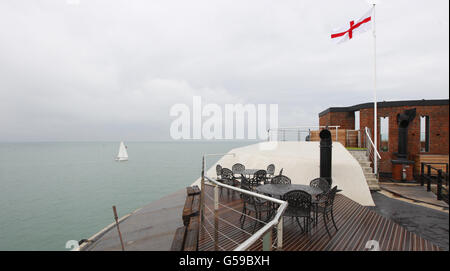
[(227, 177), (237, 169), (280, 179), (320, 183), (271, 170), (325, 207), (253, 204), (299, 206), (219, 171), (260, 177), (248, 183)]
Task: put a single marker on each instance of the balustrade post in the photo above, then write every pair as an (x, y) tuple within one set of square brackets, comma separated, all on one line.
[(439, 185), (267, 241), (216, 217), (202, 191), (446, 174), (422, 168), (429, 178), (280, 234)]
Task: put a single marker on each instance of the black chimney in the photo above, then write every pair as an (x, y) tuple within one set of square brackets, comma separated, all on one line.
[(402, 167), (325, 155), (403, 121)]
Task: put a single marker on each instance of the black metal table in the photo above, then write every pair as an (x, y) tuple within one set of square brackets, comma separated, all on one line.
[(279, 190), (249, 171)]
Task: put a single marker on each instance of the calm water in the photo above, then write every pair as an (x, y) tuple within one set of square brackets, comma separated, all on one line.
[(54, 192)]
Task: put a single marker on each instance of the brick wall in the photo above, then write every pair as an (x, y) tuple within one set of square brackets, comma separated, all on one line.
[(439, 134), (345, 119)]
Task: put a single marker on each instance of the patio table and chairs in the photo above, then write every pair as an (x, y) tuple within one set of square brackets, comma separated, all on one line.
[(304, 201)]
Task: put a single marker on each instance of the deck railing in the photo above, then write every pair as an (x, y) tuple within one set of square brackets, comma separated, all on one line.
[(264, 234), (440, 177), (295, 133), (371, 151)]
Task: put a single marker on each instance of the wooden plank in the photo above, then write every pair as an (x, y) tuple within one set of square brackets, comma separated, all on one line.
[(178, 239), (187, 210), (192, 234), (190, 190), (196, 189), (195, 205)]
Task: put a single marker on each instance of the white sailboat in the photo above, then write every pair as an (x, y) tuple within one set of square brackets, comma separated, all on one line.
[(123, 154)]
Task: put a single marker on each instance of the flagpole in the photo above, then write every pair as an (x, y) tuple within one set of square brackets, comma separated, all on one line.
[(375, 134)]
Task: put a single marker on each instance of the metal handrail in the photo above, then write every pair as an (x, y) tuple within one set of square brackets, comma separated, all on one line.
[(371, 142), (298, 129), (372, 152), (276, 221)]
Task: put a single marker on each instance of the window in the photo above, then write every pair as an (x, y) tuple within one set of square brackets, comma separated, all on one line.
[(384, 134), (356, 120), (424, 133)]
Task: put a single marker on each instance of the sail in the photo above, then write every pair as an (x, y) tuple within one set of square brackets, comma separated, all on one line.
[(123, 155)]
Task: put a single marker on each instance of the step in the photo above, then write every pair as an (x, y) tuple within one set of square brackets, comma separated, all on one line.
[(371, 180), (363, 153), (365, 163), (365, 158)]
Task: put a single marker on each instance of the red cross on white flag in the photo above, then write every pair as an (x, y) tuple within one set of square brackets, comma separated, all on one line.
[(349, 31)]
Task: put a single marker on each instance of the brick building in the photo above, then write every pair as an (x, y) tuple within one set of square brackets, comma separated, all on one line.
[(427, 134)]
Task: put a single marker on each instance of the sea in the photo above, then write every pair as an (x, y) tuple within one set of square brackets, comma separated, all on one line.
[(51, 193)]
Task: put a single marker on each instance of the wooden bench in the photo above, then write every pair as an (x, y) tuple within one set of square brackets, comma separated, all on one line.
[(186, 237), (192, 204), (191, 240), (178, 239)]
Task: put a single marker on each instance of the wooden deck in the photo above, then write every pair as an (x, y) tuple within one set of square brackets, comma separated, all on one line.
[(357, 225)]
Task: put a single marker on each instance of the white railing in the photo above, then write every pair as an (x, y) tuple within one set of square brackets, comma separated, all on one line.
[(265, 232), (371, 151), (297, 132)]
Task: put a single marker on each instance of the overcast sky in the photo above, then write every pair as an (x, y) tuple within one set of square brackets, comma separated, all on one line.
[(110, 70)]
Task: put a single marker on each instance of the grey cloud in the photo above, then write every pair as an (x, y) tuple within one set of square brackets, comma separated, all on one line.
[(111, 70)]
